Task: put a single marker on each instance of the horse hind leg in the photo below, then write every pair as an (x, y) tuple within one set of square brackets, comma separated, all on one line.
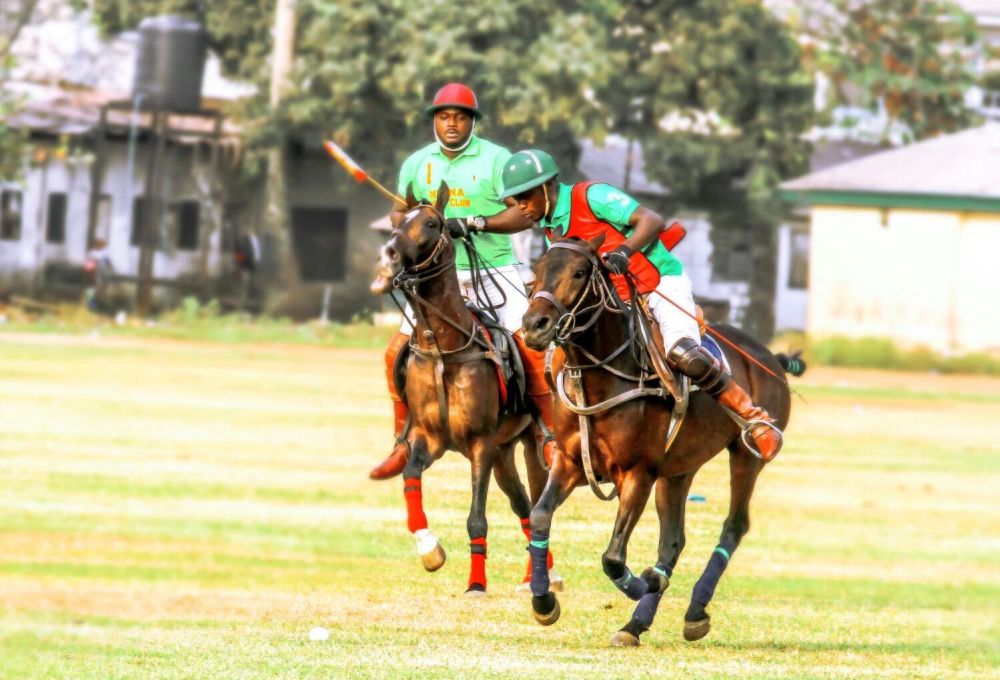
[(483, 454), (432, 555), (671, 497), (743, 472)]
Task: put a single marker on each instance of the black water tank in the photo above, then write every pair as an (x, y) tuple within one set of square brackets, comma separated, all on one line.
[(170, 63)]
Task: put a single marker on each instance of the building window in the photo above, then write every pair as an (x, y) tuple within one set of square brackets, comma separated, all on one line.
[(55, 221), (320, 241), (798, 270), (139, 207), (187, 216), (10, 215)]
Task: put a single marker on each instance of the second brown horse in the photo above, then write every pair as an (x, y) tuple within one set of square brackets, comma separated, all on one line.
[(573, 305), (452, 386)]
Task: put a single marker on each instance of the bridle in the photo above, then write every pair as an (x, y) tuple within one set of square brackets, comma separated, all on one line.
[(567, 326)]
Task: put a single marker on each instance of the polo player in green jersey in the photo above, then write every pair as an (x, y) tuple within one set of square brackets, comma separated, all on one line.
[(632, 245), (471, 166)]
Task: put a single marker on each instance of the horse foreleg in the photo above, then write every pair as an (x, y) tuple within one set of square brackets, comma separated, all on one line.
[(743, 471), (563, 478), (671, 496), (483, 454), (505, 472), (429, 549), (633, 492)]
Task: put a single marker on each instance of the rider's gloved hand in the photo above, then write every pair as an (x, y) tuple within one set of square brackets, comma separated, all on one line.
[(461, 227), (617, 260)]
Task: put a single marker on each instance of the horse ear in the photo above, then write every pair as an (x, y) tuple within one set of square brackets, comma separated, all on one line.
[(411, 200), (596, 242), (442, 199)]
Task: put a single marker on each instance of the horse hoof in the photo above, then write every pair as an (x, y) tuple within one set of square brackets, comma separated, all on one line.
[(476, 590), (623, 638), (551, 617), (556, 584), (434, 559), (696, 630)]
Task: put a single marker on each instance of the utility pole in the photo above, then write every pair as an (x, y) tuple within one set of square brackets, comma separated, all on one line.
[(278, 267)]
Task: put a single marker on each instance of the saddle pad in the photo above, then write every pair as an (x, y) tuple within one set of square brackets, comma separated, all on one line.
[(712, 345)]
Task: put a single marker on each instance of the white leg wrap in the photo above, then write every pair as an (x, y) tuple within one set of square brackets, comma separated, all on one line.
[(426, 541)]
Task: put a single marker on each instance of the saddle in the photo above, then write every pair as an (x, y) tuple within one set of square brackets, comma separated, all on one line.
[(510, 368)]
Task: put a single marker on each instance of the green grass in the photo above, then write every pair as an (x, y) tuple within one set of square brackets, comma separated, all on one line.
[(192, 510)]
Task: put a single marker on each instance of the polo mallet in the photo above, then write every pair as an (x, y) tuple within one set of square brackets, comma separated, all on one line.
[(356, 171)]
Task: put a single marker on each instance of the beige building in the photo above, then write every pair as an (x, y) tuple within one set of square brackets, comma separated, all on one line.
[(905, 244)]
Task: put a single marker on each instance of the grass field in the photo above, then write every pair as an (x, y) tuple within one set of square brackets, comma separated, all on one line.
[(192, 510)]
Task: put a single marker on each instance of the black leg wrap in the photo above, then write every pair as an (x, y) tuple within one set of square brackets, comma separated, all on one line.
[(697, 363)]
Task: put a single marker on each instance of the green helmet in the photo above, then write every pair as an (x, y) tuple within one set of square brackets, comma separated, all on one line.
[(526, 170)]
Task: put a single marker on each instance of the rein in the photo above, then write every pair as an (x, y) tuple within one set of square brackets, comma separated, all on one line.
[(439, 261), (567, 330)]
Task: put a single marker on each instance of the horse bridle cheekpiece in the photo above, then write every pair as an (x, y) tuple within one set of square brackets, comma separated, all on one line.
[(566, 326)]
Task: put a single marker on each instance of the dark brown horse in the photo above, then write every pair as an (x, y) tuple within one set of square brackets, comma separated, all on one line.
[(452, 386), (573, 306)]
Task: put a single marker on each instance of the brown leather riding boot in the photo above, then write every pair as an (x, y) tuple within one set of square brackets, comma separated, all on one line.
[(766, 439), (396, 461), (538, 391)]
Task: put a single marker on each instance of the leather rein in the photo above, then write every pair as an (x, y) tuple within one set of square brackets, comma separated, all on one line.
[(476, 348), (567, 329)]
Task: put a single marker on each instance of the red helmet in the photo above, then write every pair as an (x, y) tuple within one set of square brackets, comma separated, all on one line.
[(456, 95)]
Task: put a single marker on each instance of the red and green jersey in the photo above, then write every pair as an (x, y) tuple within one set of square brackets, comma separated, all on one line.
[(474, 185), (609, 208)]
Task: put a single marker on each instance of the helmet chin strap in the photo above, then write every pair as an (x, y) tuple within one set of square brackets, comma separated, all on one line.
[(460, 146), (545, 191)]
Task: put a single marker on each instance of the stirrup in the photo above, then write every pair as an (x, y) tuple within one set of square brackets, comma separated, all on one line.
[(748, 440)]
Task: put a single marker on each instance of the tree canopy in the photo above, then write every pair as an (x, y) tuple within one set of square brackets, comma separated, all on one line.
[(910, 58)]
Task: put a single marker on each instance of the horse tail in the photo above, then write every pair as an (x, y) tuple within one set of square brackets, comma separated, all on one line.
[(794, 364)]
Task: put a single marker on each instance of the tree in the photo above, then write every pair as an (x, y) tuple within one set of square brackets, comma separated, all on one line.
[(365, 70), (911, 57), (14, 16), (716, 93)]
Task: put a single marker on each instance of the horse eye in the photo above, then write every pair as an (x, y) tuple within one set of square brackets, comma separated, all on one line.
[(430, 223), (579, 274)]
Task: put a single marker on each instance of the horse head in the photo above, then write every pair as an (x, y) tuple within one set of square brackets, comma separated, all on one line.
[(567, 282), (419, 240)]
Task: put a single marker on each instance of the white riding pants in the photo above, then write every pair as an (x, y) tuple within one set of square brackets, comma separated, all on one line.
[(674, 324), (504, 290)]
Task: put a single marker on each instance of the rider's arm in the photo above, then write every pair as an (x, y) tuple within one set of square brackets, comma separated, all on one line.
[(647, 228), (508, 221)]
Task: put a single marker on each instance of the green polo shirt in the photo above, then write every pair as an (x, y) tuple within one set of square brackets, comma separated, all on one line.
[(615, 207), (474, 185)]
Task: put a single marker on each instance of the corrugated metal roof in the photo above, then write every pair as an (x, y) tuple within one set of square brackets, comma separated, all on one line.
[(965, 163)]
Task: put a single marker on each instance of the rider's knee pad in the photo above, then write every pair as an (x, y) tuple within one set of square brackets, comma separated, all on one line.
[(697, 363)]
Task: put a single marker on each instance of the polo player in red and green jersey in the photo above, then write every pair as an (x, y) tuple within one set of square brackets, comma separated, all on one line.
[(471, 166), (632, 245)]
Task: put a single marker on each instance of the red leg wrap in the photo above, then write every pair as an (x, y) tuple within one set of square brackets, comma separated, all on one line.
[(415, 517), (477, 572)]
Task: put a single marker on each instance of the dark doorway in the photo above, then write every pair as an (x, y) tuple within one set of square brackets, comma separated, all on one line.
[(320, 242)]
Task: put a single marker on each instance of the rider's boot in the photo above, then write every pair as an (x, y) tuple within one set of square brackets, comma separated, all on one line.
[(707, 372), (396, 461), (538, 391)]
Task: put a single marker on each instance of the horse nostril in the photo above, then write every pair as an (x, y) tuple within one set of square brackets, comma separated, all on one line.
[(542, 323)]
